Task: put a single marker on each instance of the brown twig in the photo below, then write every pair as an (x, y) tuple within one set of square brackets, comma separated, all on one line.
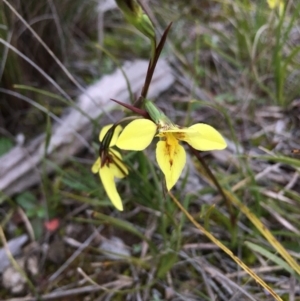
[(216, 183), (151, 67)]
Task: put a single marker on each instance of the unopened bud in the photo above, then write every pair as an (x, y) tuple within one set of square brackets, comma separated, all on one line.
[(134, 15), (156, 114)]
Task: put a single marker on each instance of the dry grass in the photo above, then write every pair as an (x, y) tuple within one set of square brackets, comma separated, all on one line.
[(236, 68)]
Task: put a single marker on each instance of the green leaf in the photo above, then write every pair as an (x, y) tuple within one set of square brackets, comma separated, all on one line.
[(166, 263), (5, 145), (27, 201), (270, 256)]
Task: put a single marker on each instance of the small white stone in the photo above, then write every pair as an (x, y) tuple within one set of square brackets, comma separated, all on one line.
[(114, 245), (32, 265), (20, 139), (12, 279), (15, 247)]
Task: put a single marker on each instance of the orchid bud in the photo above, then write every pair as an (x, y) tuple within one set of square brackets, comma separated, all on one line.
[(134, 15), (156, 114)]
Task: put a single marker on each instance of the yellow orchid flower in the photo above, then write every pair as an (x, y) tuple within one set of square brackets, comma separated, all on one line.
[(276, 3), (170, 155), (110, 166)]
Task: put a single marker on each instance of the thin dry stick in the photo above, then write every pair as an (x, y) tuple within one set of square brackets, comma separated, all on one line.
[(59, 29), (225, 249), (27, 223), (256, 222), (56, 59), (59, 63), (75, 254), (46, 111), (115, 285), (40, 70), (224, 279), (89, 279), (215, 181), (265, 231), (4, 55), (13, 261)]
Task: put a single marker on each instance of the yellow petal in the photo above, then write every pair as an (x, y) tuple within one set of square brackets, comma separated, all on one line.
[(281, 8), (275, 3), (171, 158), (137, 135), (203, 137), (107, 178), (115, 136), (272, 3), (118, 168), (96, 166)]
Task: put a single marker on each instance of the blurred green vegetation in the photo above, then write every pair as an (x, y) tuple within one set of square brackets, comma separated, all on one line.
[(244, 57)]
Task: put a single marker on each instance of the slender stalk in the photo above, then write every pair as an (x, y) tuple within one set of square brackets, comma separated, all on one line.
[(225, 249), (216, 183)]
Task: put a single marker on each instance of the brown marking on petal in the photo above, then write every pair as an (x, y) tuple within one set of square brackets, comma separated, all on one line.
[(168, 146), (106, 158), (110, 158), (180, 136), (170, 150)]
